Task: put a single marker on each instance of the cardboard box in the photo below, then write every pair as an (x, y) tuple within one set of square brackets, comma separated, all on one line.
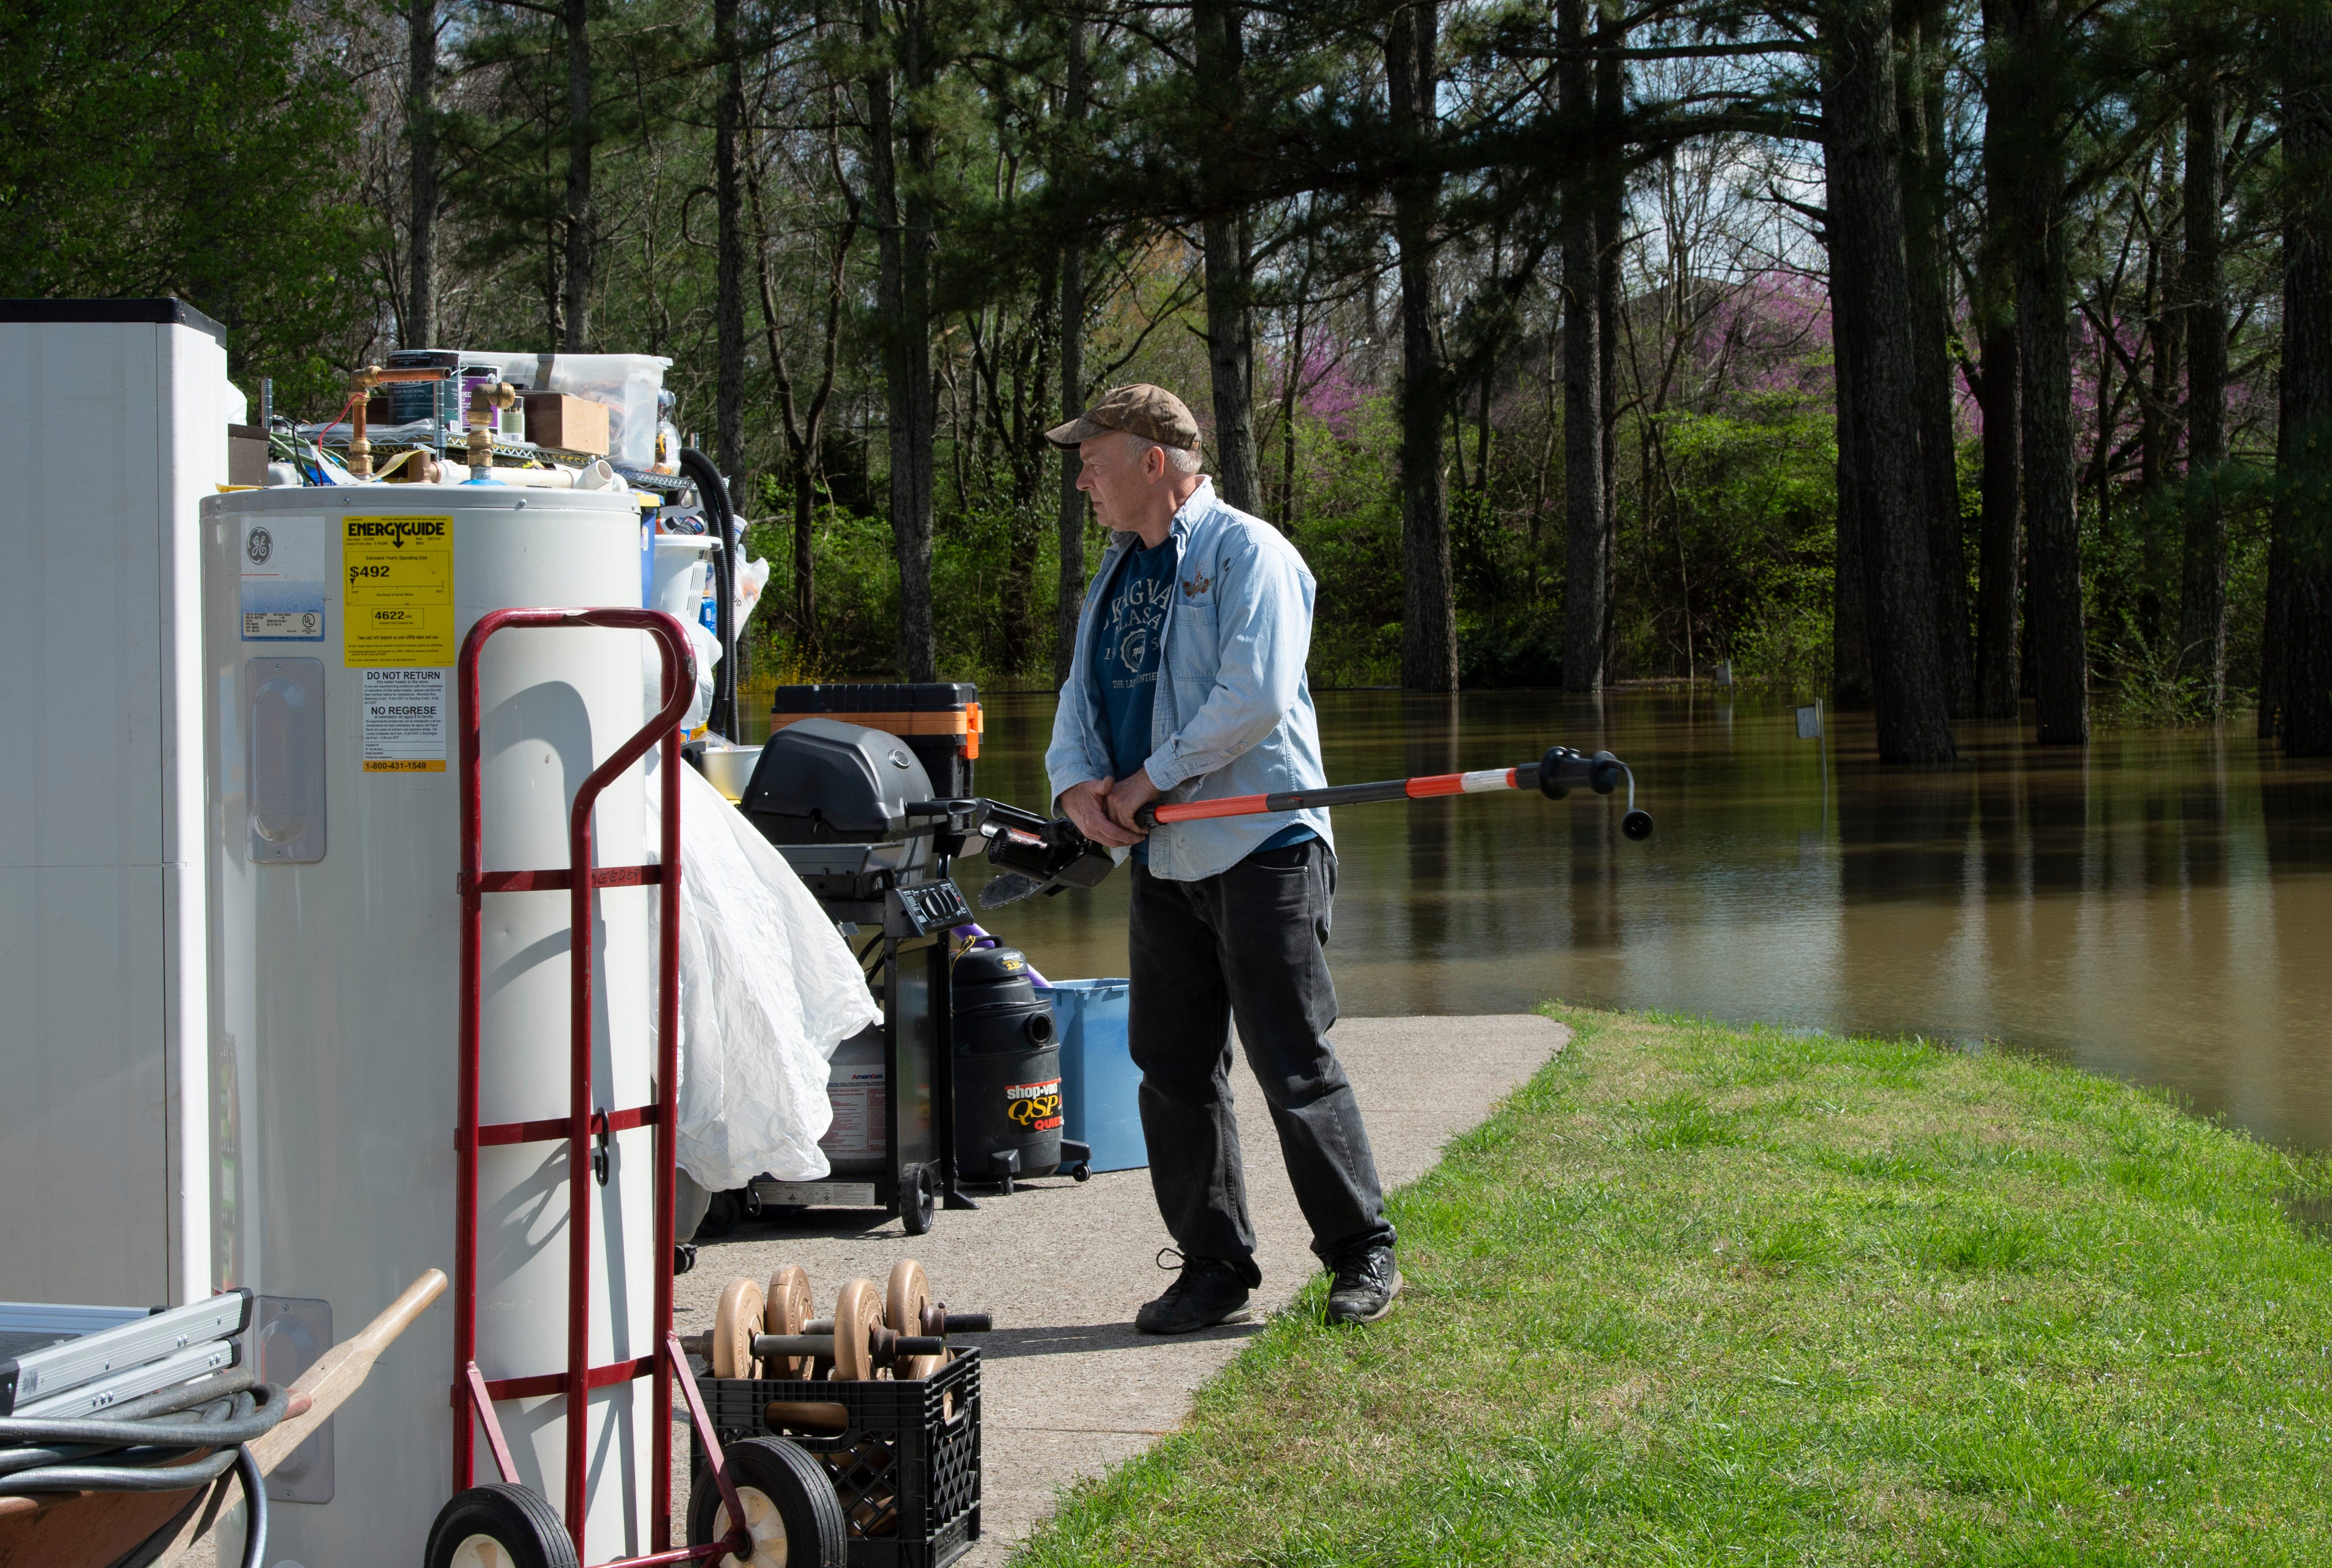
[(246, 455), (565, 423)]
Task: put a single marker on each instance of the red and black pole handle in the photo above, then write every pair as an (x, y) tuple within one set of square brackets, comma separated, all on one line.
[(1554, 776)]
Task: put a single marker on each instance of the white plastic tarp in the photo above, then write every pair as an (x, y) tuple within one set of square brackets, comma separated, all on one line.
[(707, 649), (768, 987)]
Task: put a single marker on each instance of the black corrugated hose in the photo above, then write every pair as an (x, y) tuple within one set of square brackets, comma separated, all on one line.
[(146, 1446), (714, 493)]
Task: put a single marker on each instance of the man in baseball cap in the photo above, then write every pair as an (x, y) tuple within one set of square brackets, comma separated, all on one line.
[(1187, 682)]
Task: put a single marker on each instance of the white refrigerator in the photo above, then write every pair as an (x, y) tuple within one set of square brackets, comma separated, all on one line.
[(113, 427)]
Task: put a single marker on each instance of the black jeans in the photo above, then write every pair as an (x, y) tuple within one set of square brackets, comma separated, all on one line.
[(1245, 946)]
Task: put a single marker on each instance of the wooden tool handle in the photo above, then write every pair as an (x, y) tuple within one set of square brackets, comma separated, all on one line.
[(341, 1370)]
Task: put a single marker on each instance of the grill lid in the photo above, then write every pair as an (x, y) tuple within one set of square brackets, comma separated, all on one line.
[(822, 781)]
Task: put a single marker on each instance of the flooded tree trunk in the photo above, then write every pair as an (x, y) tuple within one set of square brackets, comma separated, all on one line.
[(2302, 529), (421, 146), (1582, 405), (1230, 362), (1429, 632), (1999, 538), (1920, 108), (1070, 526), (728, 266), (805, 562), (578, 215), (903, 227), (1231, 337), (2000, 534), (1611, 217), (2202, 587), (2271, 637), (2055, 645), (1850, 621), (1868, 276), (804, 426)]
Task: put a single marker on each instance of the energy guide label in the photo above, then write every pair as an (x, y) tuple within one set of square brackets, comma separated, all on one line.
[(405, 721), (397, 588)]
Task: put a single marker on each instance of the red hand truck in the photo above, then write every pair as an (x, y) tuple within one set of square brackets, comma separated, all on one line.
[(494, 1510)]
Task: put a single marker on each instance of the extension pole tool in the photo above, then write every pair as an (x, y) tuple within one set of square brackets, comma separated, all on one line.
[(1554, 775)]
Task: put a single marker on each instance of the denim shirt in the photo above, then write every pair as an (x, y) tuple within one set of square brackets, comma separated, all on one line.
[(1234, 713)]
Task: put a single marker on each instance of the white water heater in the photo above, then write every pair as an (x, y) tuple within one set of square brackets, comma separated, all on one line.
[(332, 620)]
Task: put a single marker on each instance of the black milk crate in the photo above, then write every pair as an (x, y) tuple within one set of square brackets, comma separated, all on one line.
[(906, 1468)]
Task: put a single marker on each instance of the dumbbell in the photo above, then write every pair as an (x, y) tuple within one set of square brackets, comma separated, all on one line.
[(901, 1331), (745, 1311)]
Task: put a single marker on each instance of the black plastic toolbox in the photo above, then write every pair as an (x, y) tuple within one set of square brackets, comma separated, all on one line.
[(940, 720), (907, 1466)]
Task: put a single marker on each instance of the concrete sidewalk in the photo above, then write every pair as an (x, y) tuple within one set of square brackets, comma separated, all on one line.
[(1069, 1388)]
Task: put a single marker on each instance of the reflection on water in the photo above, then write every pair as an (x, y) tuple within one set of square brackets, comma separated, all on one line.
[(2155, 907)]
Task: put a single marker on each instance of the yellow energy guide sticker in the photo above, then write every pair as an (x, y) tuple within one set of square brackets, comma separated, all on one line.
[(398, 591)]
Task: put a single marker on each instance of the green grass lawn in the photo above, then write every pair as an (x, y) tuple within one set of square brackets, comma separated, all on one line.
[(1708, 1295)]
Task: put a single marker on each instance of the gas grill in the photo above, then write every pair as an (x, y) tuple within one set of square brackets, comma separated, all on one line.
[(850, 808)]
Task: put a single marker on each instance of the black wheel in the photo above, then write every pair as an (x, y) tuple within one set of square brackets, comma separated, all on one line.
[(1081, 1171), (684, 1256), (917, 1188), (499, 1526), (721, 1214), (790, 1509)]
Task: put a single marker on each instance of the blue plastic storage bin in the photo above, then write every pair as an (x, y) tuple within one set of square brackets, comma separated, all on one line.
[(1100, 1085)]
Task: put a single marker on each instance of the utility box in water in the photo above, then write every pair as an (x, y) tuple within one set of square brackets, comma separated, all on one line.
[(1101, 1088)]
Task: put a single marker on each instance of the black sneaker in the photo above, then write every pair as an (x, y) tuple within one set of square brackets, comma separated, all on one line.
[(1207, 1292), (1364, 1285)]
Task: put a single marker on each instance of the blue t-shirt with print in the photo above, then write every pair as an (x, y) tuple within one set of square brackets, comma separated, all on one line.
[(1129, 650)]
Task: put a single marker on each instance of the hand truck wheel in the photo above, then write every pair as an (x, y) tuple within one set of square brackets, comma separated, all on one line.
[(918, 1196), (499, 1526), (790, 1509)]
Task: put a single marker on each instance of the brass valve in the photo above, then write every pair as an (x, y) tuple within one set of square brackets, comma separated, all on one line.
[(361, 386), (485, 398)]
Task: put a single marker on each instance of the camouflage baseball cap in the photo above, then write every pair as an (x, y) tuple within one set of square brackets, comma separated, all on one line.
[(1152, 412)]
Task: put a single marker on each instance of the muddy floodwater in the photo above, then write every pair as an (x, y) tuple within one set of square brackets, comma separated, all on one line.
[(2156, 907)]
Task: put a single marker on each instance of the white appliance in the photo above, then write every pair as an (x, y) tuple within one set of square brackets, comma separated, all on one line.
[(113, 427), (332, 620)]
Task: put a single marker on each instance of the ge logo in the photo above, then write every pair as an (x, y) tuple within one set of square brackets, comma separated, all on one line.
[(259, 546), (308, 622)]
